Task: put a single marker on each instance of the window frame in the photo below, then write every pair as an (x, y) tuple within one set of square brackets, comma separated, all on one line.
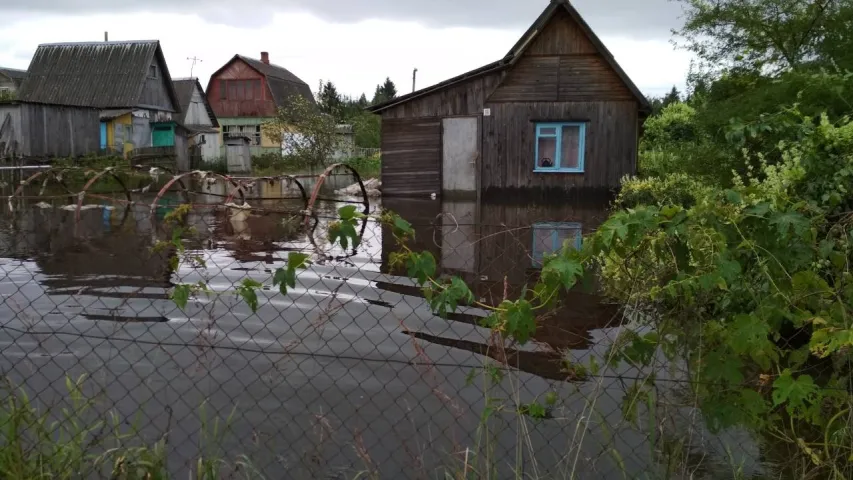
[(152, 70), (556, 245), (558, 136)]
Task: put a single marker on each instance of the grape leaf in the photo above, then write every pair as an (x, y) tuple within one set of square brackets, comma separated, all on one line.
[(181, 295)]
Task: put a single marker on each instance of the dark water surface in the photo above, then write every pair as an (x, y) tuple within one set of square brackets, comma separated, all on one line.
[(348, 371)]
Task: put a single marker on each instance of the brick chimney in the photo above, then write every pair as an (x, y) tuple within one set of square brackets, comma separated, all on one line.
[(265, 57)]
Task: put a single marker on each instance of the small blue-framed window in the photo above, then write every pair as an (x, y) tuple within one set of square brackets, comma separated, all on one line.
[(560, 147), (548, 238)]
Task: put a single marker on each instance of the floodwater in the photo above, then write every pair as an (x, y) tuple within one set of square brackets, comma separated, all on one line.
[(350, 371)]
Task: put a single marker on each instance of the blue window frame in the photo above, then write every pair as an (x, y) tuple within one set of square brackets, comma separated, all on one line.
[(548, 238), (560, 147)]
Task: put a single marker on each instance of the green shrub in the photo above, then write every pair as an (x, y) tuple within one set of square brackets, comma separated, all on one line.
[(366, 167), (676, 189)]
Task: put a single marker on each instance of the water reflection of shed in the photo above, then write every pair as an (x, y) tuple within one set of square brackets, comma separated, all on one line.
[(104, 249), (497, 249)]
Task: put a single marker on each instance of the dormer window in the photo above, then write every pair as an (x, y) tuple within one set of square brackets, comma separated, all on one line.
[(152, 71)]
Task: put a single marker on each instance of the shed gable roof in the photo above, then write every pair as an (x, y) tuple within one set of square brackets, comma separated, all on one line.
[(184, 88), (282, 83), (93, 74), (516, 52)]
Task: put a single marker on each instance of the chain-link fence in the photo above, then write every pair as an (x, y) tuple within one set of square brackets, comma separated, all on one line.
[(350, 374)]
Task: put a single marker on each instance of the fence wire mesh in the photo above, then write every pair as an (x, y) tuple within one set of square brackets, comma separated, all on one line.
[(348, 375)]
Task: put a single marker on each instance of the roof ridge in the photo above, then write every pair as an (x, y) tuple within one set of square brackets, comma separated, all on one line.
[(275, 66), (111, 42)]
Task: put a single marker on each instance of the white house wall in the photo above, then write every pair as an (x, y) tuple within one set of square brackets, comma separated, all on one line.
[(196, 113), (210, 149)]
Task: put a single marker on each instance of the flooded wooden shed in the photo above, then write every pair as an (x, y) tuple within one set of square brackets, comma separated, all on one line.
[(43, 131), (556, 113)]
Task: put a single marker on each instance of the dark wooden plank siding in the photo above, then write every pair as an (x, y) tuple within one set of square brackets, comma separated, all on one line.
[(411, 156), (589, 78), (531, 79), (155, 92), (566, 78), (561, 36), (54, 131), (510, 136), (466, 98), (561, 65)]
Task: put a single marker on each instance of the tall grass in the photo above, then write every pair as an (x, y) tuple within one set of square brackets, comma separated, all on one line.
[(274, 164), (78, 442)]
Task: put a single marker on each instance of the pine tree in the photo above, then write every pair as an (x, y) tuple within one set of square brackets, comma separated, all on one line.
[(674, 96), (330, 100), (389, 90), (384, 92)]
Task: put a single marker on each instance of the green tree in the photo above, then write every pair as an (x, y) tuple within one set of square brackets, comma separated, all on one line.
[(307, 134), (763, 34), (673, 96), (384, 92), (330, 101)]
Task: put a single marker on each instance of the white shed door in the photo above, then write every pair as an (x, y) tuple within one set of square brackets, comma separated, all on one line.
[(461, 151)]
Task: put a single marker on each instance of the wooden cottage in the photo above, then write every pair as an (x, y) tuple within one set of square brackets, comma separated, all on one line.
[(557, 113), (197, 118), (127, 81), (246, 93)]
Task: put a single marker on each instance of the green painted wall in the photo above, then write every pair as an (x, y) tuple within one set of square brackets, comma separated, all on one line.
[(163, 135)]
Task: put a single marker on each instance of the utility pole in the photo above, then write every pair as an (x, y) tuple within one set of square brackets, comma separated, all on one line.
[(106, 36), (194, 60), (414, 78)]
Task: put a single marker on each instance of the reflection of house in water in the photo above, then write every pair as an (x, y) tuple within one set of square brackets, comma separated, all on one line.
[(107, 254), (498, 250), (255, 235)]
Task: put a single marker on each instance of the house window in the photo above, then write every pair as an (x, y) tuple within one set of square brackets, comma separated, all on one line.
[(252, 132), (152, 71), (548, 239), (560, 147), (223, 89)]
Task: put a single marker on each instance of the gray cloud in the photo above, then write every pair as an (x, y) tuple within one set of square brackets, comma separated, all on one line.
[(635, 18)]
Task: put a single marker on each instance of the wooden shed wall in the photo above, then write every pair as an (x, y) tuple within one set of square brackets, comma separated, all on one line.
[(411, 156), (562, 65), (155, 91), (258, 106), (509, 137), (466, 98), (55, 131)]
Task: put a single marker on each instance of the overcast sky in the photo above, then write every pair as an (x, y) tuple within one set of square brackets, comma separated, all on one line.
[(354, 43)]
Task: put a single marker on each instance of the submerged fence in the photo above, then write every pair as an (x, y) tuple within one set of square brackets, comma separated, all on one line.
[(150, 323)]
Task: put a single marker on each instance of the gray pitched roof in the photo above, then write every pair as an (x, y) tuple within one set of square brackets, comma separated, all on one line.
[(184, 90), (15, 74), (518, 49), (92, 74), (283, 84)]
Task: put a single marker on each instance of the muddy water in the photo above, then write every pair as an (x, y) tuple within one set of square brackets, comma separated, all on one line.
[(348, 370)]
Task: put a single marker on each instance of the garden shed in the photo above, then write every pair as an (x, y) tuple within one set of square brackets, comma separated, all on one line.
[(557, 113)]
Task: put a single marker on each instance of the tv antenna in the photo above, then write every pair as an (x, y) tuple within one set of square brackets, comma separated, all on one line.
[(194, 60)]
